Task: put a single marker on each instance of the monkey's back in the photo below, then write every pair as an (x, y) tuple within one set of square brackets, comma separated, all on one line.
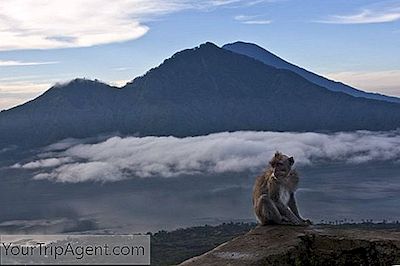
[(259, 188)]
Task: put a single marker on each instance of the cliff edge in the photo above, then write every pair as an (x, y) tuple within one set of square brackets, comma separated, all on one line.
[(313, 245)]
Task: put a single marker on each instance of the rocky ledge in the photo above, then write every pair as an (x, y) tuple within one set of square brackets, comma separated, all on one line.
[(313, 245)]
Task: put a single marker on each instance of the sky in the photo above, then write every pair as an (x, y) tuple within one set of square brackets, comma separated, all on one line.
[(43, 42)]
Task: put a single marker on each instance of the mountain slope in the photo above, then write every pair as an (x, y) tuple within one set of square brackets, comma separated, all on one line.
[(197, 91), (77, 109), (259, 53)]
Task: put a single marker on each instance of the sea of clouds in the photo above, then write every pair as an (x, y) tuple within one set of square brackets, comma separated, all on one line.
[(118, 158)]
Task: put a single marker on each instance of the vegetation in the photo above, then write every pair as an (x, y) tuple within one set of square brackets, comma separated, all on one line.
[(170, 248)]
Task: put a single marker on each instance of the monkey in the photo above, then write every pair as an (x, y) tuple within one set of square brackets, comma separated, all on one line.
[(273, 193)]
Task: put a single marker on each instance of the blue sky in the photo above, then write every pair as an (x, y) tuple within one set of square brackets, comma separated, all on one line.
[(42, 42)]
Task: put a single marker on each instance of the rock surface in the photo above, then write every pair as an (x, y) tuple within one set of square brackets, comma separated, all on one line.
[(314, 245)]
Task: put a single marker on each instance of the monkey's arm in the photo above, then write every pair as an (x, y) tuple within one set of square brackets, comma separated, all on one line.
[(287, 214), (293, 206)]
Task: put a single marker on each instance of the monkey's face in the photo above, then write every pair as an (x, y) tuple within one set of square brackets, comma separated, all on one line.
[(281, 164)]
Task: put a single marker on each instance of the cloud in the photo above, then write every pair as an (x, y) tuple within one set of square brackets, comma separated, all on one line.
[(377, 13), (255, 20), (4, 63), (51, 162), (60, 225), (122, 68), (43, 24), (364, 17), (258, 22), (120, 83), (120, 158), (386, 82), (223, 2)]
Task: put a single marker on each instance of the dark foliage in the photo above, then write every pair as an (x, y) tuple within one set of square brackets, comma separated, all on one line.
[(170, 248)]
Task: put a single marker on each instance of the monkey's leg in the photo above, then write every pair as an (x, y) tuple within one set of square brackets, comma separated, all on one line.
[(266, 211), (287, 214)]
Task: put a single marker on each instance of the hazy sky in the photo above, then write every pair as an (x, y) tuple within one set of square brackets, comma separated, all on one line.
[(42, 42)]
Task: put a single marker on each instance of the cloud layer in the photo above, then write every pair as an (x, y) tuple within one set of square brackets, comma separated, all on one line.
[(120, 158), (7, 63), (43, 24)]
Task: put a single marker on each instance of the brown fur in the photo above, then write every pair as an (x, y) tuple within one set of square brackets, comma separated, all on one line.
[(278, 182)]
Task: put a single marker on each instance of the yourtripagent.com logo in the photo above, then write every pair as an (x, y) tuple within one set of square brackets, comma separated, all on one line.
[(75, 249)]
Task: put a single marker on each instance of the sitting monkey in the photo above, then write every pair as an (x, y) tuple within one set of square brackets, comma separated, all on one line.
[(273, 193)]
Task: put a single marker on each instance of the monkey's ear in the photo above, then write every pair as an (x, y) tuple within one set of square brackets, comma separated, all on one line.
[(275, 159), (291, 160)]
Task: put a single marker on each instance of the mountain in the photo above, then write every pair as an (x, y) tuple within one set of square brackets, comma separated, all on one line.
[(259, 53), (197, 91), (79, 108)]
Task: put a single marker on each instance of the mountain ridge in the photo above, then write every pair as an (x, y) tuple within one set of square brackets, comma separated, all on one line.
[(197, 91), (254, 51)]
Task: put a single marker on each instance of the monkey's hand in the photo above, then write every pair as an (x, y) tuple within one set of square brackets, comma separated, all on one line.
[(307, 222)]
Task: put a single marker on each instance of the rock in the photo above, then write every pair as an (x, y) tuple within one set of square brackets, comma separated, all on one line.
[(313, 245)]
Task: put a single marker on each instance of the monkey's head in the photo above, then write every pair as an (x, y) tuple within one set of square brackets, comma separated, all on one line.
[(281, 164)]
